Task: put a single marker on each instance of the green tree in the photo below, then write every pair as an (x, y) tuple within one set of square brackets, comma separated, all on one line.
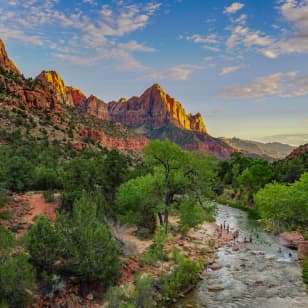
[(174, 174), (16, 274), (43, 243), (88, 249)]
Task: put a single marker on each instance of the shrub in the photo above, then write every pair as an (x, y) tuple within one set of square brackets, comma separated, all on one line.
[(42, 242), (16, 274), (81, 239), (144, 233), (49, 196), (185, 274), (141, 295), (156, 251), (305, 271)]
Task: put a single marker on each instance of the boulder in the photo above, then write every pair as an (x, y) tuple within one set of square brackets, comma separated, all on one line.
[(302, 248), (290, 239)]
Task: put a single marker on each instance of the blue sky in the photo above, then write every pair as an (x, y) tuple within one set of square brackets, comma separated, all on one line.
[(242, 64)]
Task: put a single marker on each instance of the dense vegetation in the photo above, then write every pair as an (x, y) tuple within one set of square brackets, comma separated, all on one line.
[(276, 192), (97, 187)]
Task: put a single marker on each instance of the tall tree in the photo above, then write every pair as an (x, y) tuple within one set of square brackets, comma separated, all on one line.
[(174, 174)]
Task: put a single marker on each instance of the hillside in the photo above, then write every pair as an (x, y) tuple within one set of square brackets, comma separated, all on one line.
[(46, 106), (302, 149), (272, 150)]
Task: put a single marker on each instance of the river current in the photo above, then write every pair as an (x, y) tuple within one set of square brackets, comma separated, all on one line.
[(261, 274)]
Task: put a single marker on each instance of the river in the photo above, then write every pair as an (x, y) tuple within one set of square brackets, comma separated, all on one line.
[(261, 274)]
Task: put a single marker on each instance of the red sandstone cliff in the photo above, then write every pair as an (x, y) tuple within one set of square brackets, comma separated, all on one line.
[(5, 62), (298, 151), (153, 109)]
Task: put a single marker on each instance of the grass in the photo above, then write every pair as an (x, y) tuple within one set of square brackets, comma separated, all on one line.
[(305, 271), (252, 212), (5, 215)]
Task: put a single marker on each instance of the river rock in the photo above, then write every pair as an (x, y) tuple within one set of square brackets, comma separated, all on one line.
[(215, 289), (290, 239), (302, 249), (215, 267)]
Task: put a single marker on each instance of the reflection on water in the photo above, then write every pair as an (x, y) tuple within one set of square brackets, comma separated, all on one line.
[(258, 274)]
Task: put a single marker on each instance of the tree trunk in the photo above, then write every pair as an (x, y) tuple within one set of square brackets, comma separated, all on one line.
[(160, 216), (166, 216)]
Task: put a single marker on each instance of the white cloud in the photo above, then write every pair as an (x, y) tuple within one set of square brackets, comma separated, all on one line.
[(135, 46), (295, 40), (241, 35), (233, 8), (101, 36), (286, 84), (178, 72), (229, 69), (199, 39), (269, 53)]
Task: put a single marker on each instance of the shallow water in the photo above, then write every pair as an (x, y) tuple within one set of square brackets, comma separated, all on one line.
[(259, 274)]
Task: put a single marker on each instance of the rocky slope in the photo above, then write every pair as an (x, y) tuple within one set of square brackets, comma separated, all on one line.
[(272, 150), (302, 149), (67, 114), (46, 107), (5, 62), (157, 115), (154, 109)]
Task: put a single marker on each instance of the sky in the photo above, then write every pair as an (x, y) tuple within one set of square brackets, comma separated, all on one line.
[(242, 64)]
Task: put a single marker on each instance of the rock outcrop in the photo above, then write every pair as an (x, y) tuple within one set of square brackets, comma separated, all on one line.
[(298, 151), (154, 109), (291, 239), (5, 62), (53, 81), (77, 96), (154, 114), (96, 107)]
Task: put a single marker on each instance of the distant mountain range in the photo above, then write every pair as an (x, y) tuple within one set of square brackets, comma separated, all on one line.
[(65, 114), (271, 150)]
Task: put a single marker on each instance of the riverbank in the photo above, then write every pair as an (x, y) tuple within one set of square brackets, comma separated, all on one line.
[(262, 273), (195, 250)]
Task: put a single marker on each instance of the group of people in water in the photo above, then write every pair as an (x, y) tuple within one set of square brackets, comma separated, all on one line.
[(235, 234)]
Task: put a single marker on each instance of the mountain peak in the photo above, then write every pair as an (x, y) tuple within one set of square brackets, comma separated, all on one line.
[(5, 62), (155, 109)]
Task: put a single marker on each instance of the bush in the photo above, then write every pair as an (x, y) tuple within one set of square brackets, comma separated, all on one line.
[(141, 295), (156, 251), (49, 196), (81, 240), (185, 274), (43, 243), (191, 214), (305, 271), (144, 233), (16, 274)]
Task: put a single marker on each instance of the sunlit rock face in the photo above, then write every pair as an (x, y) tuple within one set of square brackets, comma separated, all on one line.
[(154, 108), (78, 97), (96, 107), (5, 62), (56, 85)]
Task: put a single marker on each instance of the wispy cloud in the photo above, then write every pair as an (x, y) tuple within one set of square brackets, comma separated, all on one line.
[(199, 39), (286, 84), (295, 40), (97, 35), (233, 8), (241, 35), (178, 72), (229, 69)]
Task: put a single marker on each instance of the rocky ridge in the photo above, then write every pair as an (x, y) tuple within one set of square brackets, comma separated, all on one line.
[(154, 114), (298, 151)]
